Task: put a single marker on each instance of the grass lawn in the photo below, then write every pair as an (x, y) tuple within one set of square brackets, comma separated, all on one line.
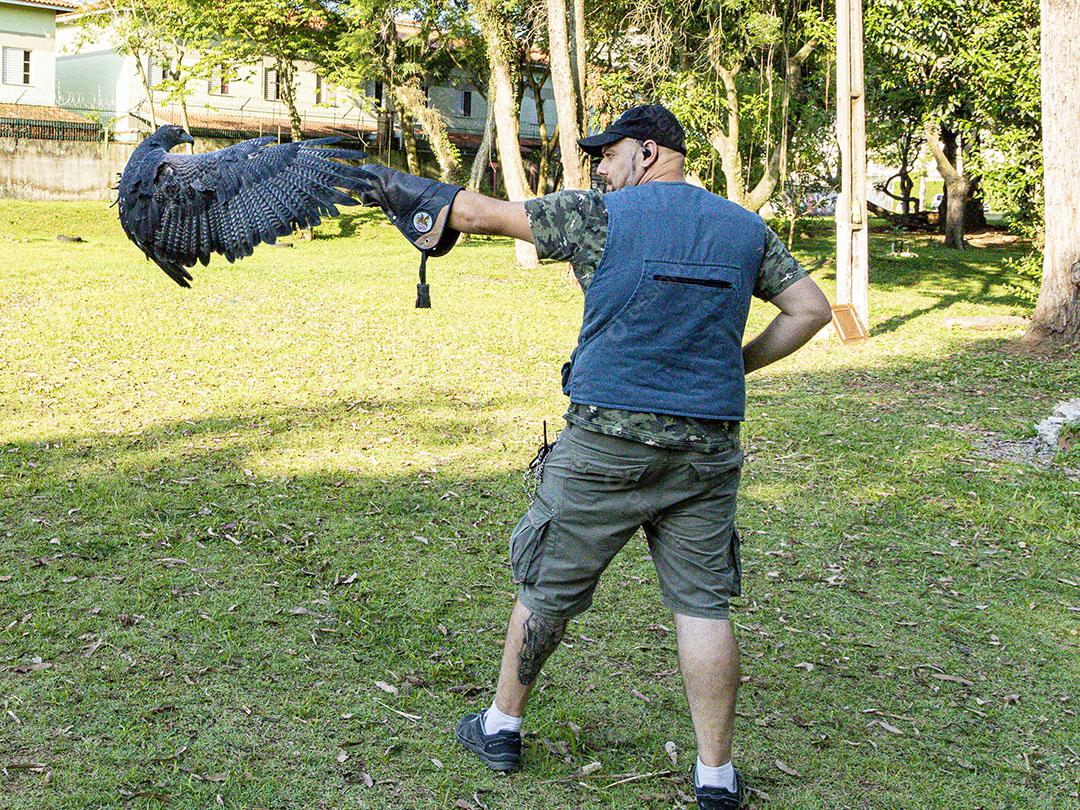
[(253, 540)]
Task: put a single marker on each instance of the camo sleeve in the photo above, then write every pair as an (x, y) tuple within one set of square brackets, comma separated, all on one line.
[(570, 226), (779, 269)]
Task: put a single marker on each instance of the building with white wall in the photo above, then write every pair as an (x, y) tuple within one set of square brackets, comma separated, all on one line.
[(27, 50)]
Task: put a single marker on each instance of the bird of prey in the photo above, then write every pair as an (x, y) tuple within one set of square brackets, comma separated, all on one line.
[(181, 208)]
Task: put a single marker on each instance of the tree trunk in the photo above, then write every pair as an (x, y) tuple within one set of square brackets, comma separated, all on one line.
[(410, 97), (286, 72), (502, 92), (957, 190), (408, 142), (957, 184), (547, 142), (566, 68), (906, 187), (1057, 313), (147, 89), (483, 154), (727, 142), (764, 188)]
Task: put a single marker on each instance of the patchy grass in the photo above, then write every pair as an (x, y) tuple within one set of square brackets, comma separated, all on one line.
[(254, 540)]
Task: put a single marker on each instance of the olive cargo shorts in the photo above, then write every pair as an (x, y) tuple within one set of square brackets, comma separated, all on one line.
[(597, 490)]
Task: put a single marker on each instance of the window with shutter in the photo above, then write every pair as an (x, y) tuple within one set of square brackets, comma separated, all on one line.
[(271, 90), (16, 67), (155, 72), (219, 83)]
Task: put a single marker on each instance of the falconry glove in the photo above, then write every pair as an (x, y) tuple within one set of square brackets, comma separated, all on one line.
[(420, 208)]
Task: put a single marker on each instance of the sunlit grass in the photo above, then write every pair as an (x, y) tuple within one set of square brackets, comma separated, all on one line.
[(227, 513)]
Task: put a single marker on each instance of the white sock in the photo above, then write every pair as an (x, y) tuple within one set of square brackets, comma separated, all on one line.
[(722, 776), (495, 720)]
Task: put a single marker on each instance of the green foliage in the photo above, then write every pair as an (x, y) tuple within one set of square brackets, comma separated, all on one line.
[(671, 53), (974, 66), (1025, 276)]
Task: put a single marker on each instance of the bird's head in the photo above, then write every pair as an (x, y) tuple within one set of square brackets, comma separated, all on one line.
[(169, 136)]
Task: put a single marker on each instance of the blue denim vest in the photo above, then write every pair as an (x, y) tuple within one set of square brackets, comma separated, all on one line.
[(666, 309)]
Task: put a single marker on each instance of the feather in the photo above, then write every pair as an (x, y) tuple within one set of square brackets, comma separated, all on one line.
[(181, 209)]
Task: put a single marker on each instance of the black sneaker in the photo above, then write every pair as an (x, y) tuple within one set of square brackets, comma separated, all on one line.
[(500, 751), (715, 798)]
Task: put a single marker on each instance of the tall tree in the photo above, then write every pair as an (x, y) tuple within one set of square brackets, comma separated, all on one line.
[(162, 33), (960, 67), (566, 48), (735, 73), (409, 46), (1057, 313), (496, 18)]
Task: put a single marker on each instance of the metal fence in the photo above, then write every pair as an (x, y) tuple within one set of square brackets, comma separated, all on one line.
[(30, 128)]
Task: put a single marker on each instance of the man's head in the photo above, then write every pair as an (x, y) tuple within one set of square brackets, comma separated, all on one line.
[(645, 143)]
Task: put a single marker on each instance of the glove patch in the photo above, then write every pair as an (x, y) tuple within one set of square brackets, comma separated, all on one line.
[(422, 221)]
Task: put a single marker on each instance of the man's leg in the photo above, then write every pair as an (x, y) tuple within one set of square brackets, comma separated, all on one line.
[(530, 639), (709, 660), (494, 735)]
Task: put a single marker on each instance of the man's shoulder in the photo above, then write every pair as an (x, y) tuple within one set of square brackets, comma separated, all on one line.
[(688, 193), (570, 226)]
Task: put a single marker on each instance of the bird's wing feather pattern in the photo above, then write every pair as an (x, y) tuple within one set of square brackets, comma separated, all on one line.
[(181, 208)]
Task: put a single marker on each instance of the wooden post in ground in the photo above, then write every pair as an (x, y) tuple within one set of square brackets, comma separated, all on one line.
[(852, 248)]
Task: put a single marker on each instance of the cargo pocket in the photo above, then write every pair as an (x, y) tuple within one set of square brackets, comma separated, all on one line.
[(736, 563), (527, 541)]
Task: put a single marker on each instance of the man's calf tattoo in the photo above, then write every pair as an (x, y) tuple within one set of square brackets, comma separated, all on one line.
[(540, 638)]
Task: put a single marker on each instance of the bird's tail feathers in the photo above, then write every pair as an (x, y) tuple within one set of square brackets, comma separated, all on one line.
[(176, 272)]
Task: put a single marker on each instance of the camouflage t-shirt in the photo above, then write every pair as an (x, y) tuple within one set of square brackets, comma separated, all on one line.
[(572, 226)]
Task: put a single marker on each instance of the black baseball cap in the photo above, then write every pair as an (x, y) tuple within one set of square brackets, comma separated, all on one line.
[(646, 122)]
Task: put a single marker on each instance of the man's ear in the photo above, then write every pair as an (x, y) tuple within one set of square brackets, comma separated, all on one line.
[(649, 152)]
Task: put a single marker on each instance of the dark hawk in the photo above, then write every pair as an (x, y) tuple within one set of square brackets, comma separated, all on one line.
[(181, 208)]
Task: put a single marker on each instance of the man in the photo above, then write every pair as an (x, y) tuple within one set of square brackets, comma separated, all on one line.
[(656, 388)]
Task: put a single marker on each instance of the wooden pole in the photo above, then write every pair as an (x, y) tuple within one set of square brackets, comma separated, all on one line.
[(852, 248)]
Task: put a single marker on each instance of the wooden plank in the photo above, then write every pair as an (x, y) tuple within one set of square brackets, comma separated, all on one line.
[(848, 324)]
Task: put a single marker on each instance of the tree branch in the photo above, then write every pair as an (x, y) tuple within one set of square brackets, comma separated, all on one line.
[(947, 170)]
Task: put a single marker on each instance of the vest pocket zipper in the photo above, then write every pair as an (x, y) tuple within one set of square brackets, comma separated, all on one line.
[(701, 282)]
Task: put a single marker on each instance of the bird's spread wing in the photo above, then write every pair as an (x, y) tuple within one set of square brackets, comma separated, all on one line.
[(231, 200)]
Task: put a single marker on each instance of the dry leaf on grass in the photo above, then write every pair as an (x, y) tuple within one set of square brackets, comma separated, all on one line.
[(386, 687), (672, 752), (35, 665), (591, 767), (787, 769), (941, 676)]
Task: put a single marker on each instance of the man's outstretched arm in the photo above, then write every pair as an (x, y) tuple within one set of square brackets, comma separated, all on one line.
[(478, 213), (804, 310)]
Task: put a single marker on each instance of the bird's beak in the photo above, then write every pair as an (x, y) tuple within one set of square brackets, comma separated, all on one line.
[(187, 139)]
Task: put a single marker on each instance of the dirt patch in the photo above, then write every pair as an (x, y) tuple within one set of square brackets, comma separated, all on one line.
[(1033, 452), (994, 239)]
